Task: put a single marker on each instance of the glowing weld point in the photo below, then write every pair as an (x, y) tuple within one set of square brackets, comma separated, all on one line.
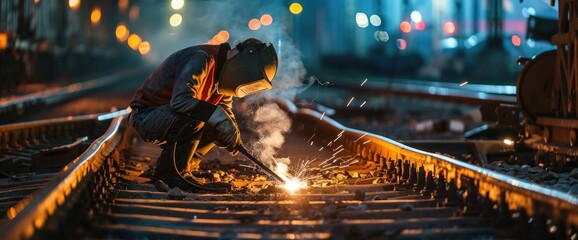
[(322, 115), (366, 141), (363, 103), (363, 82), (464, 83), (350, 100), (508, 142), (293, 185)]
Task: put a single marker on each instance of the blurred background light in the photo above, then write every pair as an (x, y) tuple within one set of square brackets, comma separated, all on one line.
[(95, 16), (177, 4), (361, 20), (516, 40), (375, 20), (415, 16), (134, 41), (176, 20), (401, 44), (122, 32), (295, 8), (381, 36), (134, 13), (122, 5), (74, 4), (420, 25), (266, 19), (3, 40), (254, 24), (144, 48), (449, 28), (449, 43), (405, 27)]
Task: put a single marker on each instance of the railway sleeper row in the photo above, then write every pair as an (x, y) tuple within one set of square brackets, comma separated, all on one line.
[(416, 195)]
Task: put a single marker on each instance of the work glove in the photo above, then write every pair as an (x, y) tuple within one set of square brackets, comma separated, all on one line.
[(228, 134)]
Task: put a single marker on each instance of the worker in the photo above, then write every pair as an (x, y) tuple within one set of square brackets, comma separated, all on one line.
[(185, 105)]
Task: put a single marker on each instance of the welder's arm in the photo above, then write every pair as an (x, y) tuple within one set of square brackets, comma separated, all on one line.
[(227, 104)]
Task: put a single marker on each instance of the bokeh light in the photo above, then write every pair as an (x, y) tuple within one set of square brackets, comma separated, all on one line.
[(405, 26), (3, 40), (295, 8), (361, 20), (134, 41), (122, 32), (420, 25), (74, 4), (266, 19), (122, 5), (516, 40), (95, 16), (144, 48), (381, 36), (449, 28), (254, 24), (176, 20), (401, 44), (177, 4), (415, 16), (375, 20), (134, 12)]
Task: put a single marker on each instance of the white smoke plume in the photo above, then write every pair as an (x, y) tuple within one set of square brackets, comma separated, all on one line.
[(270, 123)]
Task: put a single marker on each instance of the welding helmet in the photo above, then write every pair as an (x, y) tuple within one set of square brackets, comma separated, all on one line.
[(249, 71)]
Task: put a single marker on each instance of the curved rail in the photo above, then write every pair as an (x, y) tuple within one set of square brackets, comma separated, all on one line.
[(33, 213), (502, 189), (29, 217)]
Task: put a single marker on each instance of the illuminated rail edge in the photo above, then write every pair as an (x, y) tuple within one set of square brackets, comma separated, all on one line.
[(82, 187)]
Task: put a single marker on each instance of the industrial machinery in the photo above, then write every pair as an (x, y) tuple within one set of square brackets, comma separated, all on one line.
[(547, 90)]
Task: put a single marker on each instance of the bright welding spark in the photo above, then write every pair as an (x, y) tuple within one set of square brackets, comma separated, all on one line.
[(363, 104), (360, 137), (363, 82), (322, 115), (311, 143), (311, 138), (366, 141), (508, 141), (321, 149), (350, 100), (293, 185), (463, 84)]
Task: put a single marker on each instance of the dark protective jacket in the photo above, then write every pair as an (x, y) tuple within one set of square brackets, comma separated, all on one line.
[(183, 85)]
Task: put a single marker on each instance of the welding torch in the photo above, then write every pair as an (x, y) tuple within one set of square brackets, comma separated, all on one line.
[(271, 173)]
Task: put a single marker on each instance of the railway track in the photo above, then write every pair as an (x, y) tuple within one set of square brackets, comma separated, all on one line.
[(392, 191)]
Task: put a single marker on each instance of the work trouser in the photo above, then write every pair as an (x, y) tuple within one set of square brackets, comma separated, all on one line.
[(181, 137)]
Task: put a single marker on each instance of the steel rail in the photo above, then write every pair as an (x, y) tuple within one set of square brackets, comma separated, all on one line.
[(31, 215), (509, 192)]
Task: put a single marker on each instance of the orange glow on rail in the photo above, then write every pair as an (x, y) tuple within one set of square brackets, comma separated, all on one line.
[(122, 32), (266, 19)]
